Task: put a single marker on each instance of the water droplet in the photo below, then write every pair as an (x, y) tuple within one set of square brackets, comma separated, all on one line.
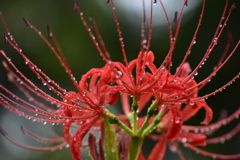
[(144, 41), (177, 119), (67, 146), (214, 156), (196, 130), (184, 139), (191, 103)]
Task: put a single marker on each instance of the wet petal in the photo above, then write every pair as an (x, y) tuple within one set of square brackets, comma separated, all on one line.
[(175, 125), (208, 114), (92, 146), (159, 149), (184, 70)]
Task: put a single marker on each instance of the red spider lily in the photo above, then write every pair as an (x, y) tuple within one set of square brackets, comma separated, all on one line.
[(82, 109), (176, 95)]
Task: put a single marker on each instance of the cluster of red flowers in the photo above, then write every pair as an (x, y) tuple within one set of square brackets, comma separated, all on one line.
[(175, 95)]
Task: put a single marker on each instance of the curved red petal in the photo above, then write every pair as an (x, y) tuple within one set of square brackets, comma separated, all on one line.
[(159, 149), (175, 125), (208, 114), (77, 138)]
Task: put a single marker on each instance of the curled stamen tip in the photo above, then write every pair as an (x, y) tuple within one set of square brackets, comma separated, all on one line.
[(3, 132), (232, 7), (4, 37), (76, 6), (26, 21), (22, 129), (175, 17), (186, 3), (230, 38), (107, 1), (49, 31)]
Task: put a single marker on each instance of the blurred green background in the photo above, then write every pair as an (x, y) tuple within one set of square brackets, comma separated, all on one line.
[(82, 56)]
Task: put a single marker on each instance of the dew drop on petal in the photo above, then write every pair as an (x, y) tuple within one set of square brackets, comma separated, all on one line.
[(191, 103), (177, 119)]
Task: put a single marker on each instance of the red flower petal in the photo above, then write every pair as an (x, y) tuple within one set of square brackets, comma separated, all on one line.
[(92, 146), (159, 149), (208, 114), (184, 70), (77, 138), (175, 126), (189, 111)]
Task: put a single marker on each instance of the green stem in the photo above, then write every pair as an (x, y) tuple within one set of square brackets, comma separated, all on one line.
[(135, 116), (110, 141), (135, 148), (150, 113), (113, 119), (156, 121), (125, 128)]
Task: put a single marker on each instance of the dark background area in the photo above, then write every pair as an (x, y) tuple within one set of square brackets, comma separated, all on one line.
[(82, 56)]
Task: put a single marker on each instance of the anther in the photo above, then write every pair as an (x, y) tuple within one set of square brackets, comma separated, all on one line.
[(232, 7), (22, 129), (175, 17), (26, 21), (4, 37), (3, 132), (186, 3), (76, 6), (49, 31)]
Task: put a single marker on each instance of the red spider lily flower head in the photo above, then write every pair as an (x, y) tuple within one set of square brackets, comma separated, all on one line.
[(81, 109), (169, 89)]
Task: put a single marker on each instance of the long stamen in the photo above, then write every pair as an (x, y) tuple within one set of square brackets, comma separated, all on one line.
[(213, 42), (143, 28), (150, 28), (77, 8), (95, 27), (193, 41), (4, 133), (119, 33)]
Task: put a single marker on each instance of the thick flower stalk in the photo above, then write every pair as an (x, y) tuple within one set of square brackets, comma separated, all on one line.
[(174, 97)]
